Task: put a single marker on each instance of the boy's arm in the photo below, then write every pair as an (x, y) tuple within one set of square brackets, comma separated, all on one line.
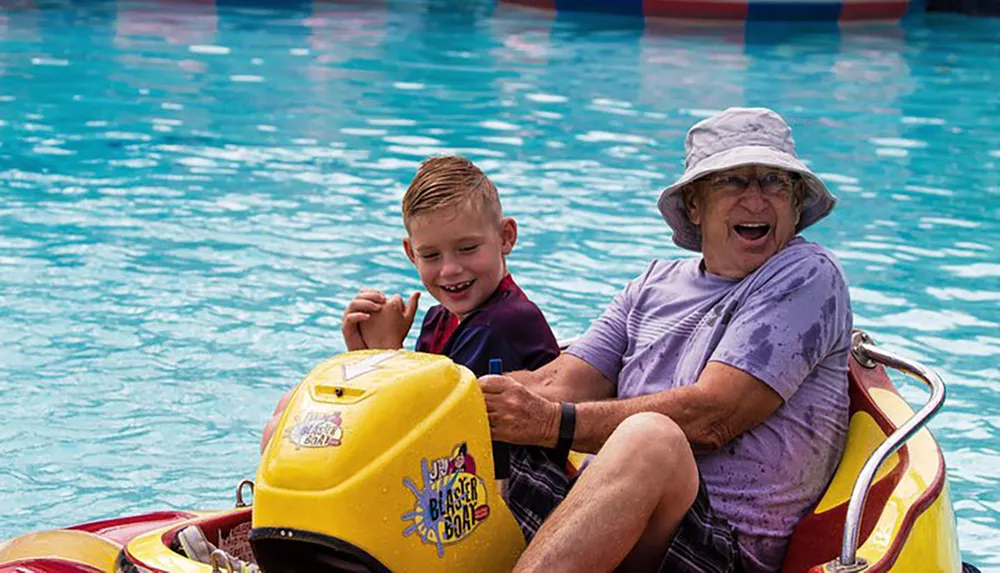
[(272, 424), (567, 379)]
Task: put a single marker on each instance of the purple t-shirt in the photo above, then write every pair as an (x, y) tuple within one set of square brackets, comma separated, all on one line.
[(788, 324)]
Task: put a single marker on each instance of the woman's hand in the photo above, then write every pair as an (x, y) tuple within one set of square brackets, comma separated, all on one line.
[(518, 415)]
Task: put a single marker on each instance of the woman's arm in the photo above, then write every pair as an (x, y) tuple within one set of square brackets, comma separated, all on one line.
[(567, 379)]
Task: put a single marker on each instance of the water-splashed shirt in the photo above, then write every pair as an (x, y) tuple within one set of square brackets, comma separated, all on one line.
[(788, 324)]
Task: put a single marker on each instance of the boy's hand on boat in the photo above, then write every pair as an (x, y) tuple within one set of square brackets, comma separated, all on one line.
[(518, 415), (364, 304), (387, 328)]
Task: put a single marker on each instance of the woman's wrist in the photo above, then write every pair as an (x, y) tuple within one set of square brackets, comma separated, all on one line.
[(550, 436), (567, 427)]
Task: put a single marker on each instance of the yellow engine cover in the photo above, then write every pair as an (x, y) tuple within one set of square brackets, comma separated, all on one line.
[(390, 451)]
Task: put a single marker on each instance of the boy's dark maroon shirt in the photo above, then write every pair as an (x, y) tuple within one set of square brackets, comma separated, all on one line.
[(507, 326)]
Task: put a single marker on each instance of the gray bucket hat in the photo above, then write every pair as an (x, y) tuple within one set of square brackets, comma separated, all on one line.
[(738, 137)]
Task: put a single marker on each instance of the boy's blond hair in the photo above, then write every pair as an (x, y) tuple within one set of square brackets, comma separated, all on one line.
[(449, 182)]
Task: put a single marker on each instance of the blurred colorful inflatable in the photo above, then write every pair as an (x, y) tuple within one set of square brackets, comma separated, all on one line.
[(740, 10)]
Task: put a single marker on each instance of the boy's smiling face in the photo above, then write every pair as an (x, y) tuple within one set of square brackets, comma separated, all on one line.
[(459, 253)]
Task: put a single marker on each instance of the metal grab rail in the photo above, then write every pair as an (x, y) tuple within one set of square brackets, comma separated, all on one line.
[(867, 354)]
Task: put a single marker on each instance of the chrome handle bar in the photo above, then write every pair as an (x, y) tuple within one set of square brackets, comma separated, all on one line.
[(867, 354)]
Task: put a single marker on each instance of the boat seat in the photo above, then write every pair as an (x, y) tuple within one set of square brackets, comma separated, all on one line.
[(229, 531), (907, 523), (818, 536)]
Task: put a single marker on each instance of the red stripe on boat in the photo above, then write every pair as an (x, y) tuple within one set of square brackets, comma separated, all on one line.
[(121, 530), (46, 565), (695, 9), (873, 10), (545, 4)]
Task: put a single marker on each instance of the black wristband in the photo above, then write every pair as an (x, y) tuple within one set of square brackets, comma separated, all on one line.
[(567, 428)]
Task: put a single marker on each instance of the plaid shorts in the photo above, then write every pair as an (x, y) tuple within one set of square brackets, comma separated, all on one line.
[(537, 484), (704, 543)]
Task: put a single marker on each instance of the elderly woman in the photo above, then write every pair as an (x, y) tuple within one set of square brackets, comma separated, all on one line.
[(713, 389)]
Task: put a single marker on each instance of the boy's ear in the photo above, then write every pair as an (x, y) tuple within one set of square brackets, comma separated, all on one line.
[(409, 250), (508, 235)]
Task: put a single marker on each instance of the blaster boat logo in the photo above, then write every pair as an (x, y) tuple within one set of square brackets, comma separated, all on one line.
[(451, 503), (316, 430)]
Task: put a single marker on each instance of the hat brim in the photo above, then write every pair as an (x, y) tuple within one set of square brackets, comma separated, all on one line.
[(817, 204)]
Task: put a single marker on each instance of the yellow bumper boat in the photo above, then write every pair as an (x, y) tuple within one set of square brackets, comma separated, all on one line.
[(383, 462)]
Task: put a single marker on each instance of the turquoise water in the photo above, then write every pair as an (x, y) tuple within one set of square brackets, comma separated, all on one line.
[(192, 191)]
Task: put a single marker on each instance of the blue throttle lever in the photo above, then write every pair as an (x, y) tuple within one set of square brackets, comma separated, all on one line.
[(501, 450)]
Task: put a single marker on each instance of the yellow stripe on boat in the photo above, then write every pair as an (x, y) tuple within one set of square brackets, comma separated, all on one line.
[(65, 544), (863, 436), (148, 549)]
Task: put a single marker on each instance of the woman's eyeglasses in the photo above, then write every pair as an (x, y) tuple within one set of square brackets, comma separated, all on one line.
[(773, 183)]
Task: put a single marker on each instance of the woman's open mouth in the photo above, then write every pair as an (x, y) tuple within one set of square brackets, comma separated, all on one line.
[(458, 287), (752, 232)]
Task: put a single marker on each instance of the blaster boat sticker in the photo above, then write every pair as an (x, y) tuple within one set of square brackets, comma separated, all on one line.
[(451, 503), (316, 430)]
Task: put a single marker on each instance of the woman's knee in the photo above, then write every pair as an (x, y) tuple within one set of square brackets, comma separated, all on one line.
[(650, 429), (653, 442), (666, 454)]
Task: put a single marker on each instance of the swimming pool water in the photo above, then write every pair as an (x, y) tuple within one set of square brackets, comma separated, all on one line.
[(192, 190)]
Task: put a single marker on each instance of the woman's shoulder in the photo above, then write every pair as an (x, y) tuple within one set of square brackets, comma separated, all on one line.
[(803, 262), (799, 250)]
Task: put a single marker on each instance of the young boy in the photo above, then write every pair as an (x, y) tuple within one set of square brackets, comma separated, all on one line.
[(458, 239)]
